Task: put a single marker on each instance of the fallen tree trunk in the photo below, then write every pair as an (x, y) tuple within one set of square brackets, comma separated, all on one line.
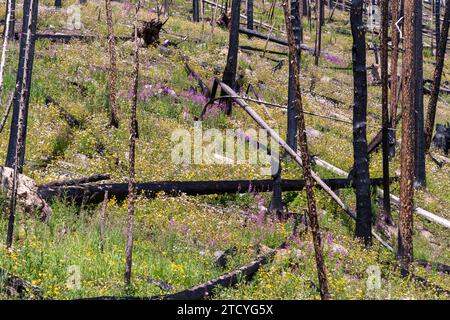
[(70, 119), (65, 38), (94, 194), (17, 286), (205, 90), (90, 179)]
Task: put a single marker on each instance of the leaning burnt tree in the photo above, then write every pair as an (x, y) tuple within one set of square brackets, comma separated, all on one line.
[(437, 23), (419, 168), (114, 121), (361, 172), (306, 160), (25, 67), (132, 153), (405, 226), (437, 78), (30, 8), (385, 110), (395, 7), (292, 109), (229, 74)]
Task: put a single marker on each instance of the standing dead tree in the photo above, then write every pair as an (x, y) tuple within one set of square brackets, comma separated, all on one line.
[(229, 74), (405, 240), (9, 31), (385, 109), (292, 110), (437, 23), (195, 11), (25, 66), (5, 47), (419, 167), (440, 59), (395, 7), (318, 43), (132, 152), (250, 14), (306, 160), (31, 6), (362, 181), (114, 121)]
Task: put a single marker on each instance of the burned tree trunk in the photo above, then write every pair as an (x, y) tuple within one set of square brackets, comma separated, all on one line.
[(385, 109), (114, 121), (31, 6), (25, 66), (437, 23), (5, 47), (394, 67), (405, 226), (229, 74), (292, 110), (195, 11), (318, 44), (362, 182), (58, 4), (419, 168), (250, 14), (132, 152), (440, 59), (9, 31), (307, 172)]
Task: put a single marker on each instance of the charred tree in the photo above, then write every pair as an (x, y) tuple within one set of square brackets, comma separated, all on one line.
[(11, 10), (394, 68), (362, 181), (229, 74), (405, 226), (195, 11), (25, 66), (437, 23), (114, 121), (102, 221), (132, 152), (292, 109), (307, 172), (318, 43), (419, 168), (385, 110), (250, 14), (58, 4), (31, 6), (437, 78)]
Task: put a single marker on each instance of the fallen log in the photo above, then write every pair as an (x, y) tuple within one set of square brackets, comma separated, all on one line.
[(439, 267), (65, 38), (90, 179), (249, 48), (94, 194), (17, 286), (205, 90), (70, 119)]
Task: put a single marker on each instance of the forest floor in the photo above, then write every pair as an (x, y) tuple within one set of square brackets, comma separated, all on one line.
[(176, 239)]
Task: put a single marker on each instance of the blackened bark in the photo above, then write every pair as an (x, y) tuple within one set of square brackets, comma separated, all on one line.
[(23, 68), (437, 23), (250, 14), (437, 78), (385, 110), (405, 226), (58, 3), (114, 121), (318, 43), (292, 110), (132, 152), (229, 74), (419, 170), (12, 21), (394, 62), (31, 6), (362, 182), (307, 172), (195, 11)]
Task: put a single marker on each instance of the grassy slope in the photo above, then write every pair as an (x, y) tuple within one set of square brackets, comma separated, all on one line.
[(176, 238)]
